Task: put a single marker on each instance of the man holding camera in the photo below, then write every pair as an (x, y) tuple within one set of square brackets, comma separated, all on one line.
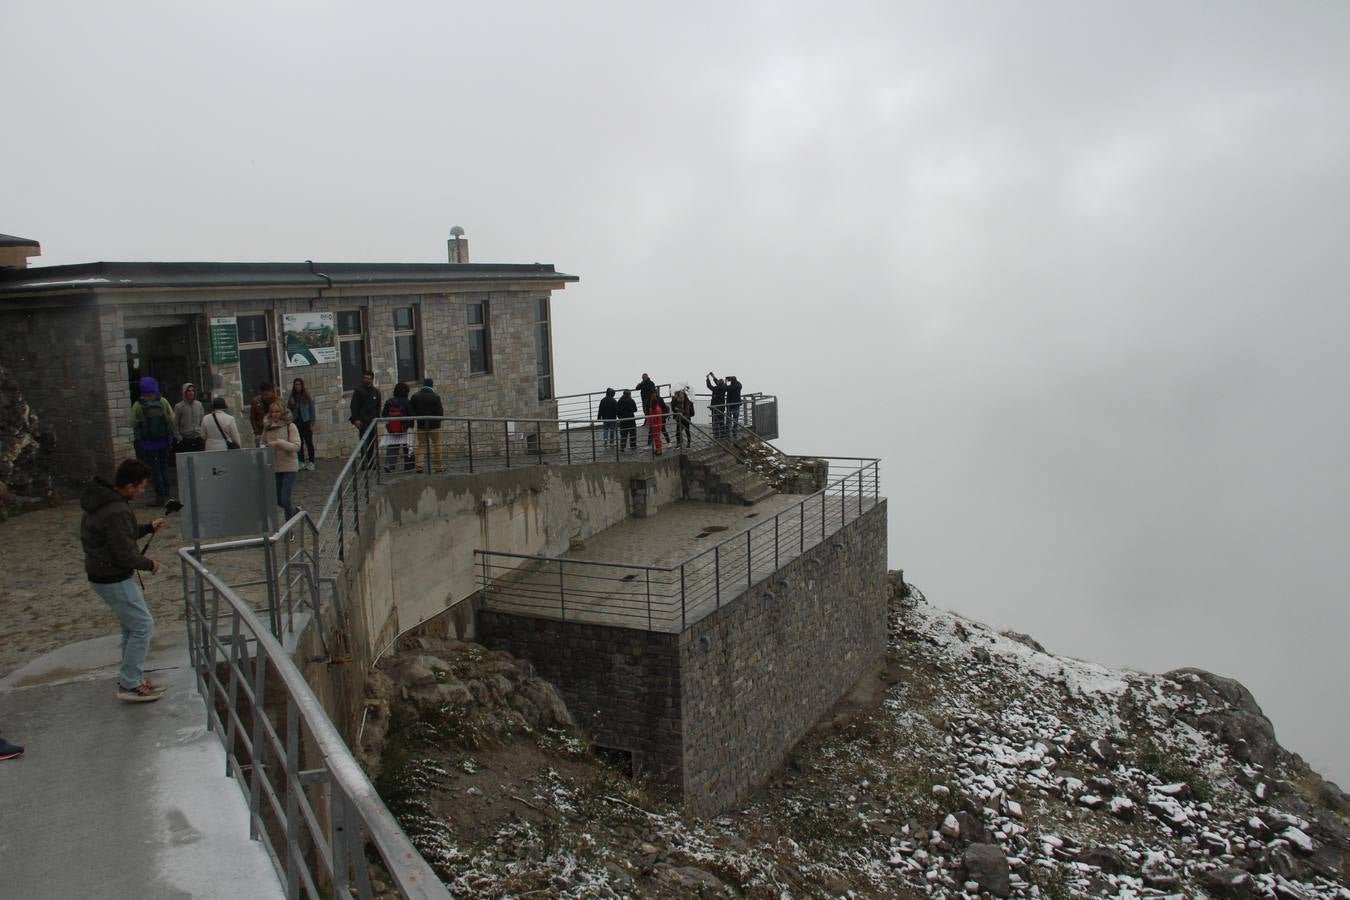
[(108, 534)]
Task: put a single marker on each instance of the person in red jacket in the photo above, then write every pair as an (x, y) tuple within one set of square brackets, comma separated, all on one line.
[(655, 421)]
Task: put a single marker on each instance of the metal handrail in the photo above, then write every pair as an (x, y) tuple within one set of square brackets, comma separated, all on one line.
[(681, 593), (236, 640), (587, 405)]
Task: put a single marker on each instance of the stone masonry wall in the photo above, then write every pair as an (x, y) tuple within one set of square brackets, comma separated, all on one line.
[(71, 364), (759, 672), (621, 685), (715, 710), (55, 357)]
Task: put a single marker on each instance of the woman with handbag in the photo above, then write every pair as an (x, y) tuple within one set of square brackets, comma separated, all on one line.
[(219, 427)]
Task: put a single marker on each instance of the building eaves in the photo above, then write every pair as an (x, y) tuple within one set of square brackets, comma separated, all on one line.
[(9, 240), (184, 275)]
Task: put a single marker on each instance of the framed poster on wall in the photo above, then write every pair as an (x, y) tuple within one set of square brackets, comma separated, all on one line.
[(309, 338)]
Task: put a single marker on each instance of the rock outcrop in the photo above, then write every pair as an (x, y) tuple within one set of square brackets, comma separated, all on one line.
[(27, 469)]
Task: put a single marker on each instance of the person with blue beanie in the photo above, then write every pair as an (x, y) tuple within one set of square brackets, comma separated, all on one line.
[(152, 426)]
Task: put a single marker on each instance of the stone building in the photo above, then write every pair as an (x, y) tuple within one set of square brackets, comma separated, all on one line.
[(78, 337)]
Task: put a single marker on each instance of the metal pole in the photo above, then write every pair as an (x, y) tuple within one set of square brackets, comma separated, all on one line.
[(341, 531), (293, 859), (273, 613), (801, 529), (539, 440), (562, 593), (775, 541), (749, 565), (822, 517), (594, 458), (717, 574), (649, 598), (469, 430), (356, 503), (567, 433), (506, 439), (860, 492), (682, 610)]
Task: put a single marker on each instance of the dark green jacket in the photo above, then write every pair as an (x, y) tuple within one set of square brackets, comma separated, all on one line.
[(108, 533)]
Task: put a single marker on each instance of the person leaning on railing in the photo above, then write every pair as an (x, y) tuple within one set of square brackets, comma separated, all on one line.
[(718, 406), (683, 409), (608, 413)]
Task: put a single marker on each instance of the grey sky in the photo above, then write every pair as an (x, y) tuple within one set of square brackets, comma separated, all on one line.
[(1077, 273)]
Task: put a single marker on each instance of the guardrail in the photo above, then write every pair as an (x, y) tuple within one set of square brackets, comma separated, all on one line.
[(670, 598), (465, 446), (587, 405), (309, 802)]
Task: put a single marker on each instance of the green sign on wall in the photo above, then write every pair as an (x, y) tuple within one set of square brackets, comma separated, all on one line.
[(224, 340)]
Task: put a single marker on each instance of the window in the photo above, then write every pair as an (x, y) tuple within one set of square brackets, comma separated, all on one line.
[(351, 347), (405, 345), (255, 354), (480, 338), (542, 351)]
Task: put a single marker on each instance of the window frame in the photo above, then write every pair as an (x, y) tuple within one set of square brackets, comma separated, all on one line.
[(543, 347), (352, 338), (413, 331), (475, 329)]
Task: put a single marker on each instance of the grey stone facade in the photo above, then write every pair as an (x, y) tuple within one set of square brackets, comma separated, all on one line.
[(714, 710), (66, 345)]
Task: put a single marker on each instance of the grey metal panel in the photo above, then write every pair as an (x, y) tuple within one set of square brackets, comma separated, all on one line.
[(766, 418), (227, 493)]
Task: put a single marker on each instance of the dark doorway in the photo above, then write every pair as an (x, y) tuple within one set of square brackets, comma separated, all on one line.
[(167, 354)]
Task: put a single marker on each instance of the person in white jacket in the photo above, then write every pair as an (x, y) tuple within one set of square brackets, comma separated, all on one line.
[(219, 426)]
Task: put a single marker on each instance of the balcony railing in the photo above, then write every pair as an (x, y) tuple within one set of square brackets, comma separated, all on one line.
[(670, 598)]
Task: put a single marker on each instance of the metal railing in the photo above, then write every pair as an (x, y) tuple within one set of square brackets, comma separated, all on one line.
[(310, 804), (587, 405), (466, 446), (670, 598), (756, 412)]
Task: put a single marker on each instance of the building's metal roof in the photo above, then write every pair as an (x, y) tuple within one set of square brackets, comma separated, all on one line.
[(101, 276), (9, 240)]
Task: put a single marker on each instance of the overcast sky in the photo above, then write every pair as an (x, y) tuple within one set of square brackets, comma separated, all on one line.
[(1077, 273)]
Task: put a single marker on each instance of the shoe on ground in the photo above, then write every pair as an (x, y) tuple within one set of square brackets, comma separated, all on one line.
[(9, 751), (146, 693)]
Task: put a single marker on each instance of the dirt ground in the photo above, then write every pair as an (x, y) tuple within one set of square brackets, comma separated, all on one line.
[(45, 600)]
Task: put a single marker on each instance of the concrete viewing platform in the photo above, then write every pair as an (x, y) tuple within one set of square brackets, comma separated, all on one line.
[(117, 799), (631, 589)]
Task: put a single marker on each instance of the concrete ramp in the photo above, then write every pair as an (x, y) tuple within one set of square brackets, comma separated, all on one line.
[(118, 799)]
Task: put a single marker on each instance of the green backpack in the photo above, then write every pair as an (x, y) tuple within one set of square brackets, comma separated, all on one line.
[(154, 424)]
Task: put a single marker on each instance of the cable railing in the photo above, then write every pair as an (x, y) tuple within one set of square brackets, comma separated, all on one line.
[(670, 598), (587, 405), (310, 804)]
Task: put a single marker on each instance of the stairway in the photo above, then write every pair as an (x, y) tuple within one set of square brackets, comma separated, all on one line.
[(712, 474)]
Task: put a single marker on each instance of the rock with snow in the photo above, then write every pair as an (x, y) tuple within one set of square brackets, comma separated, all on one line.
[(987, 866), (1229, 882)]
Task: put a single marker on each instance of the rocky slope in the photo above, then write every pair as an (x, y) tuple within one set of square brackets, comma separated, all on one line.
[(976, 764)]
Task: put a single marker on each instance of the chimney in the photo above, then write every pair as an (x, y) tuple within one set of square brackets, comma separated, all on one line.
[(14, 251), (458, 245)]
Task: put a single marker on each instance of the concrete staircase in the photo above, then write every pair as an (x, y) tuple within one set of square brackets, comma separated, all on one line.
[(714, 475)]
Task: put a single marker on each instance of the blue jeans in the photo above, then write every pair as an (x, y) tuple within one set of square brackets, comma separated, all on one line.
[(158, 461), (285, 487), (611, 431), (138, 626)]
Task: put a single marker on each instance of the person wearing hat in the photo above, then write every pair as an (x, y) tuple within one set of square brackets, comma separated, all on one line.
[(426, 402), (187, 421), (152, 426)]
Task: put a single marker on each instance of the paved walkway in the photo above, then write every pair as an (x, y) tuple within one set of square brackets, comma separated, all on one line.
[(119, 799)]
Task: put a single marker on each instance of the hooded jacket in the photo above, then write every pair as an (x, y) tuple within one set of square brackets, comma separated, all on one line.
[(150, 394), (187, 417), (108, 533), (426, 402)]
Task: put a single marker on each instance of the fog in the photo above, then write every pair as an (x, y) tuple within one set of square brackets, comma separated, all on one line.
[(1078, 274)]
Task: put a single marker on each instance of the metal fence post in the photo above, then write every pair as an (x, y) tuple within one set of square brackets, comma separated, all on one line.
[(567, 433), (775, 541), (469, 442), (683, 619), (594, 458), (822, 515), (717, 574), (649, 598), (860, 493), (562, 593), (749, 566), (801, 529), (539, 440), (506, 439)]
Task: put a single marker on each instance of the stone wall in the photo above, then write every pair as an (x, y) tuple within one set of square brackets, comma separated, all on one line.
[(621, 685), (760, 671), (715, 710), (71, 363), (55, 356)]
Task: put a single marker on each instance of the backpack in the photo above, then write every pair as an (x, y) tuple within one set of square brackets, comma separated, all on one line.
[(154, 424), (397, 408)]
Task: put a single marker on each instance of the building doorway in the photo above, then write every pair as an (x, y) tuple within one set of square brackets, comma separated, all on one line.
[(167, 352)]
